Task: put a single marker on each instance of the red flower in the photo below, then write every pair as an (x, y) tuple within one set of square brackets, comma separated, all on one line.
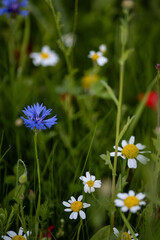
[(151, 100), (47, 235)]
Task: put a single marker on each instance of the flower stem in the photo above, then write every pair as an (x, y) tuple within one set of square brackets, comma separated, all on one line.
[(79, 229), (117, 137), (39, 185)]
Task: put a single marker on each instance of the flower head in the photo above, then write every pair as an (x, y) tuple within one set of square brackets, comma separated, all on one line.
[(98, 57), (90, 183), (69, 39), (129, 201), (152, 99), (76, 207), (14, 236), (45, 58), (88, 80), (13, 7), (124, 235), (36, 115), (132, 152), (157, 66)]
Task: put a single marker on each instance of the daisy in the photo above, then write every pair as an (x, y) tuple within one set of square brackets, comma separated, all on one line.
[(36, 115), (45, 58), (124, 235), (90, 183), (129, 201), (69, 39), (76, 207), (132, 152), (98, 57), (14, 236)]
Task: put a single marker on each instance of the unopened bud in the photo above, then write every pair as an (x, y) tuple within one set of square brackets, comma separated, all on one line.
[(157, 66), (128, 4), (31, 195), (23, 178), (18, 122), (103, 48), (21, 197)]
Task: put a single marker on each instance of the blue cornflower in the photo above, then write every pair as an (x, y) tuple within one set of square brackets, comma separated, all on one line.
[(13, 7), (36, 115)]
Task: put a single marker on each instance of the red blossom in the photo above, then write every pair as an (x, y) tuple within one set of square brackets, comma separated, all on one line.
[(151, 100)]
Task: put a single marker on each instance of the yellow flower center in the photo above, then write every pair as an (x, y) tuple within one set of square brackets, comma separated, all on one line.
[(76, 206), (44, 55), (125, 236), (90, 183), (18, 237), (88, 80), (130, 151), (95, 56), (131, 201)]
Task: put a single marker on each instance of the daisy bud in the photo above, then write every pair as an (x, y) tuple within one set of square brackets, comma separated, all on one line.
[(23, 178)]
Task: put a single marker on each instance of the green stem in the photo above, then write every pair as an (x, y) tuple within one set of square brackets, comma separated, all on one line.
[(128, 225), (39, 186), (79, 229), (22, 216), (117, 137)]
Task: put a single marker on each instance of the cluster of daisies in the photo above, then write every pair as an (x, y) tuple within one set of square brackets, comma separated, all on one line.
[(130, 201), (75, 206), (98, 57)]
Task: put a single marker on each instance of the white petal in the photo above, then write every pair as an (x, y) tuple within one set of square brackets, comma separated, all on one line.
[(92, 189), (115, 231), (20, 232), (132, 163), (6, 238), (86, 205), (124, 209), (86, 188), (68, 210), (45, 49), (144, 151), (142, 159), (70, 201), (11, 234), (75, 215), (73, 199), (93, 178), (112, 154), (102, 60), (131, 193), (140, 196), (80, 198), (88, 175), (142, 203), (28, 233), (119, 203), (66, 204), (134, 209), (131, 140), (122, 195), (140, 146), (124, 143), (119, 148), (97, 184), (84, 179), (82, 214), (71, 215)]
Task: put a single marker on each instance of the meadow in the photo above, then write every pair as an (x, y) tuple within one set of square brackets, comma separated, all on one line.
[(80, 120)]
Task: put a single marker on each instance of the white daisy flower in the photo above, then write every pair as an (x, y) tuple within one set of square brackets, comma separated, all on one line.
[(76, 207), (98, 57), (129, 201), (46, 57), (124, 235), (14, 236), (132, 152), (103, 48), (90, 183)]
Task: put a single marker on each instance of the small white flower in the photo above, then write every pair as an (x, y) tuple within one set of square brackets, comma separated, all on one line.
[(103, 48), (132, 152), (124, 235), (76, 207), (69, 39), (98, 57), (90, 183), (14, 236), (129, 201), (46, 57)]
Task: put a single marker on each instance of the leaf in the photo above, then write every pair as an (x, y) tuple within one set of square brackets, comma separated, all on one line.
[(110, 92), (125, 56), (121, 183), (102, 234), (106, 158), (129, 120)]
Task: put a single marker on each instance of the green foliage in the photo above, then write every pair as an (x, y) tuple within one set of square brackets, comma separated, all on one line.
[(102, 234)]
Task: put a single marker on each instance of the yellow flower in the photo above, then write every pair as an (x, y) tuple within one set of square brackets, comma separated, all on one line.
[(87, 80)]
